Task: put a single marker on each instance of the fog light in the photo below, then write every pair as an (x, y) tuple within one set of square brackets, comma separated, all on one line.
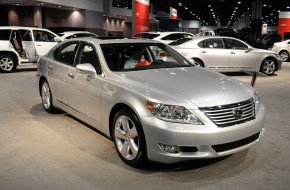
[(170, 148)]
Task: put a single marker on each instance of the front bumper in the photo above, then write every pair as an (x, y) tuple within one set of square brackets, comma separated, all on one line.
[(202, 141)]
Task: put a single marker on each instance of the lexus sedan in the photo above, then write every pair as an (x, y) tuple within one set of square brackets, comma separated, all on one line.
[(283, 49), (165, 111), (227, 54)]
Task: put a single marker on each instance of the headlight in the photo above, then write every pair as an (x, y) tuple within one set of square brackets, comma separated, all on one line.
[(172, 113), (257, 101)]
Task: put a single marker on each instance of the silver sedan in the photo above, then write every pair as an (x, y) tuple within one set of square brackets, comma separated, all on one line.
[(226, 54), (164, 111)]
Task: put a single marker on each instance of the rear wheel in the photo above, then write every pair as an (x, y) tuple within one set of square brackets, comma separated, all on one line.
[(284, 55), (46, 97), (128, 138), (7, 63), (198, 62), (268, 66)]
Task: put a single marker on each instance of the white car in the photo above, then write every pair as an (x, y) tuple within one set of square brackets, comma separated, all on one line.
[(76, 34), (283, 49), (165, 37), (227, 54), (24, 45)]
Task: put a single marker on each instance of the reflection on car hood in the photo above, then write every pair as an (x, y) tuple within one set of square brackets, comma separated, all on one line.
[(202, 87), (263, 51)]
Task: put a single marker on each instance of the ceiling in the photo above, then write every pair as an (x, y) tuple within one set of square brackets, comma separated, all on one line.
[(209, 11)]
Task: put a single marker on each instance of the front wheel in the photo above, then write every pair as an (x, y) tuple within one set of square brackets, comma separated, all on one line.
[(7, 63), (284, 55), (268, 66), (46, 97), (129, 139)]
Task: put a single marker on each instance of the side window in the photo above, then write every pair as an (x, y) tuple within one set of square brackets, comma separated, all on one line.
[(25, 35), (89, 55), (43, 36), (235, 44), (212, 43), (66, 53), (5, 34)]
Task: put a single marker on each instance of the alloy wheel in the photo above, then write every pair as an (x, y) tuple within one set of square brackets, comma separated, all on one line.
[(45, 95), (6, 64), (284, 56), (269, 67), (126, 137)]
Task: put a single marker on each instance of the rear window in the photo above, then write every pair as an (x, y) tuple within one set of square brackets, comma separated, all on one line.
[(180, 41), (149, 36), (5, 34)]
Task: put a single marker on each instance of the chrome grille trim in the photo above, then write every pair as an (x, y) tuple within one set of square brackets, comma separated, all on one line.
[(224, 116)]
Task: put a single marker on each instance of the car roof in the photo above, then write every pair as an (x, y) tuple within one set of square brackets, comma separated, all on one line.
[(113, 41), (74, 32), (21, 27)]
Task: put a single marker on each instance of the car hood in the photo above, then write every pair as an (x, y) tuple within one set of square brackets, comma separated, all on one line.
[(202, 87), (263, 51)]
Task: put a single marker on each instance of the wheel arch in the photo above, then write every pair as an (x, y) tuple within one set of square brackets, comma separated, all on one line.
[(114, 111), (11, 54), (270, 57), (197, 58), (41, 79)]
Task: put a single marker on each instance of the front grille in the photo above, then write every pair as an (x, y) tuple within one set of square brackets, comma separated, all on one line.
[(235, 144), (231, 114)]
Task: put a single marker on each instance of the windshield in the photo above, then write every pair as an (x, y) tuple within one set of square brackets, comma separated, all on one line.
[(141, 56)]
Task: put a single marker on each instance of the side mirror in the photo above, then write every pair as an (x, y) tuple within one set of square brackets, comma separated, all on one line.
[(57, 39), (86, 68), (248, 50)]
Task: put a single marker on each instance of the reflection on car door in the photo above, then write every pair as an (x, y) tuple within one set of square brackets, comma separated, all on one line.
[(213, 54), (239, 56), (59, 69), (84, 89), (44, 41)]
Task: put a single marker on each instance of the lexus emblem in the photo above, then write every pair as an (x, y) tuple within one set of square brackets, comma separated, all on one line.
[(238, 113)]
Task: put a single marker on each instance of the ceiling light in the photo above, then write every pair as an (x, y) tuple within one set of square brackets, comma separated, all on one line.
[(236, 8), (239, 2), (209, 5), (179, 4), (186, 8), (59, 6), (288, 7)]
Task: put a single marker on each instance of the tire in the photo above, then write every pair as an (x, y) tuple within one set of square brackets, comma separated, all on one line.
[(268, 66), (284, 55), (46, 98), (198, 62), (129, 139), (7, 63)]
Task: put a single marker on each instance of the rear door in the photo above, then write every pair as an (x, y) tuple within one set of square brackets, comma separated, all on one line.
[(44, 41), (240, 57), (28, 44), (59, 68), (213, 53)]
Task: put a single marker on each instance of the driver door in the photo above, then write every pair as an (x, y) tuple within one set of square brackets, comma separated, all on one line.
[(85, 89)]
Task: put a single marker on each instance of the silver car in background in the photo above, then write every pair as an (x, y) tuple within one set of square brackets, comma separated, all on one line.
[(165, 111), (227, 54), (283, 49)]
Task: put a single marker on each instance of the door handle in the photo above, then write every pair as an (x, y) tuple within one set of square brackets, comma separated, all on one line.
[(50, 67), (233, 52), (70, 75), (203, 52)]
